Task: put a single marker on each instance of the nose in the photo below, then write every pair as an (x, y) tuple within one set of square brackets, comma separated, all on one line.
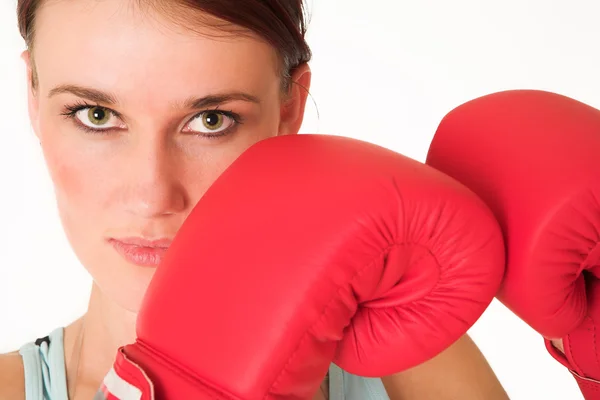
[(152, 184)]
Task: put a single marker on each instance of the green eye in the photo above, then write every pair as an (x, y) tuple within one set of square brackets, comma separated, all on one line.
[(212, 121), (98, 116)]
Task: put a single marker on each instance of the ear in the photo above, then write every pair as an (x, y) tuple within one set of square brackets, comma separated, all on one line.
[(32, 98), (294, 102)]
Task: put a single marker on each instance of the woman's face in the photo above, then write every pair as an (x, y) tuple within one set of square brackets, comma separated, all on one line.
[(137, 118)]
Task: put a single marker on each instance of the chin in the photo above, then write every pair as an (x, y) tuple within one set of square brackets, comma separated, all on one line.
[(130, 296), (123, 284)]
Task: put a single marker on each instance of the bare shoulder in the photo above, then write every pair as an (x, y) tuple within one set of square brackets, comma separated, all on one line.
[(12, 380)]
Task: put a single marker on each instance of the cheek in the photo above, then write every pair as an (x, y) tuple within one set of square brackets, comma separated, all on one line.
[(77, 180), (76, 184), (77, 198), (81, 186)]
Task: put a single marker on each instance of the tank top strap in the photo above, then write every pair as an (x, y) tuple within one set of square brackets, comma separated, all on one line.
[(44, 366)]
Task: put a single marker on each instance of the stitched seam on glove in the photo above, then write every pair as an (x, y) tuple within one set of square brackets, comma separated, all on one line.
[(306, 335), (357, 275), (571, 358), (575, 366), (586, 383)]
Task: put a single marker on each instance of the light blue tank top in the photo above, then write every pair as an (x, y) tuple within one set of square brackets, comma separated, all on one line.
[(45, 378)]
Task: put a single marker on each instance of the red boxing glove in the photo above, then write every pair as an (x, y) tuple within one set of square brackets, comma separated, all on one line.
[(534, 156), (311, 249)]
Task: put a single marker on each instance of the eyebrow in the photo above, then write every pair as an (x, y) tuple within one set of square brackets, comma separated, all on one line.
[(99, 96)]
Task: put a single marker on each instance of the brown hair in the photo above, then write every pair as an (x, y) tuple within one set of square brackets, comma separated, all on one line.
[(282, 23)]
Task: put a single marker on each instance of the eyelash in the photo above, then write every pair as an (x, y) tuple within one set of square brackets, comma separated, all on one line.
[(72, 110)]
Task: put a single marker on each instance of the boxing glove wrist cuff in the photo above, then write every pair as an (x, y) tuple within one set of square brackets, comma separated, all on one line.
[(152, 372), (589, 388), (125, 381)]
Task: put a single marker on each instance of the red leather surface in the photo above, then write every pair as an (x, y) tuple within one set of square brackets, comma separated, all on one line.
[(534, 157), (314, 248)]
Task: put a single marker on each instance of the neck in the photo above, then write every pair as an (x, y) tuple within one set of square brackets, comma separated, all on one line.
[(91, 342)]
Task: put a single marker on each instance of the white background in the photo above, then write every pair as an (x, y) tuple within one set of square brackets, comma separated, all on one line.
[(385, 71)]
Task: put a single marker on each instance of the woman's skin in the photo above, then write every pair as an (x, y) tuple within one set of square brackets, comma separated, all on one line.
[(176, 108)]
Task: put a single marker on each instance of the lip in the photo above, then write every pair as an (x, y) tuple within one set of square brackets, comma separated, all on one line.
[(140, 251)]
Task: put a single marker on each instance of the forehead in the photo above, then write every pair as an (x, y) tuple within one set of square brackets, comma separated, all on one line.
[(113, 43)]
